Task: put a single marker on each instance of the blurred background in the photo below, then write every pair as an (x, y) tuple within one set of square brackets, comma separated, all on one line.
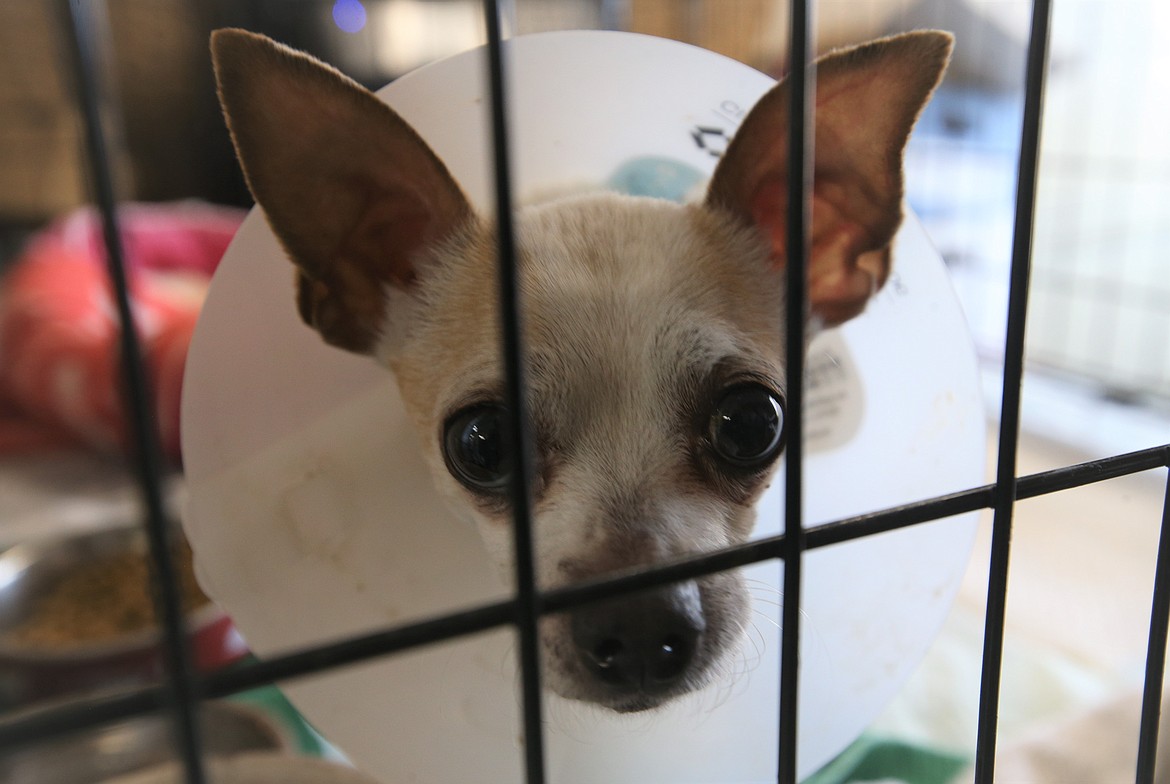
[(1098, 343), (1100, 304)]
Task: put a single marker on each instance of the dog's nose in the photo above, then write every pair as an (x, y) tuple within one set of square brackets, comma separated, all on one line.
[(643, 643)]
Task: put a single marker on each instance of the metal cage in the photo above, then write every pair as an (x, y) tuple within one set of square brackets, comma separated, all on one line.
[(183, 689)]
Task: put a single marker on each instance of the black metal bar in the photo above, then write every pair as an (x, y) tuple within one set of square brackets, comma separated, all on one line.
[(802, 86), (527, 608), (183, 698), (1009, 431), (25, 729), (1033, 486), (357, 649), (30, 727), (1092, 471), (1156, 653)]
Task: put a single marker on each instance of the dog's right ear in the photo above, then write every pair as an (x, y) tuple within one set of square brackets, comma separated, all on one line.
[(350, 189), (867, 101)]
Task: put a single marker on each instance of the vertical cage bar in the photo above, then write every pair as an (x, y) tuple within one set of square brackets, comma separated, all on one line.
[(1013, 369), (527, 599), (85, 64), (802, 81), (1156, 652)]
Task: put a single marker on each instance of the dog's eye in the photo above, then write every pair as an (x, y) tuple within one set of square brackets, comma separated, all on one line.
[(476, 449), (747, 426)]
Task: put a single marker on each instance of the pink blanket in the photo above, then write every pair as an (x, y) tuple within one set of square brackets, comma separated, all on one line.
[(59, 355)]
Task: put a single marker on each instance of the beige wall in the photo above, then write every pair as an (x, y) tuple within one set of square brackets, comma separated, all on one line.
[(756, 31), (39, 133), (158, 68)]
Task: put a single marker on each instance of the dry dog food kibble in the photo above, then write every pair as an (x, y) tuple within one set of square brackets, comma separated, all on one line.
[(101, 601)]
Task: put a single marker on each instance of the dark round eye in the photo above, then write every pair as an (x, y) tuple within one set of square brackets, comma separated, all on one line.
[(747, 426), (476, 448)]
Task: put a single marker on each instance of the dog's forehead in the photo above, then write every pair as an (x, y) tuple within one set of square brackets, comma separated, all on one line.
[(644, 267), (634, 301)]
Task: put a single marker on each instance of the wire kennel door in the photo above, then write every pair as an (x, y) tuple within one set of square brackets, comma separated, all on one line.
[(183, 690)]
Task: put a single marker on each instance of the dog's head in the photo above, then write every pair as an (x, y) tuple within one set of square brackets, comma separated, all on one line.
[(653, 331)]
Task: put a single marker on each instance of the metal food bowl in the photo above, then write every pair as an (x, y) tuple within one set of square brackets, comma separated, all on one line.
[(30, 571), (256, 768), (139, 744)]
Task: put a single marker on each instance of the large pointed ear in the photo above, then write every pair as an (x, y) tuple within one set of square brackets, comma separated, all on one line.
[(867, 100), (347, 185)]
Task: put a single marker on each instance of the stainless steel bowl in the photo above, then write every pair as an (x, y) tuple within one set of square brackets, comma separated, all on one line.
[(139, 744), (30, 673)]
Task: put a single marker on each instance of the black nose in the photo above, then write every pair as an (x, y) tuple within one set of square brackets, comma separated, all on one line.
[(641, 644)]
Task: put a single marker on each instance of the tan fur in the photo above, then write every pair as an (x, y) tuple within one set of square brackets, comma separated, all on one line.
[(639, 314)]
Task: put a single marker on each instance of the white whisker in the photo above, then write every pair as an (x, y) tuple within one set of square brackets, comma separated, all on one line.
[(768, 618)]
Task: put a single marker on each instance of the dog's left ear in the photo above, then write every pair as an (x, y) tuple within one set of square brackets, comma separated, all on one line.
[(867, 100)]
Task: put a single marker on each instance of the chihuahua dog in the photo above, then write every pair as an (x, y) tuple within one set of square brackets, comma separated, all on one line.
[(653, 331)]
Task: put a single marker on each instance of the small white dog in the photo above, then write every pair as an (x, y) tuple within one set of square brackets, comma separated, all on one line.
[(653, 331)]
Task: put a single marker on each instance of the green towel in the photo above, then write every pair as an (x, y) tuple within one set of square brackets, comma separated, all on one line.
[(876, 759)]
